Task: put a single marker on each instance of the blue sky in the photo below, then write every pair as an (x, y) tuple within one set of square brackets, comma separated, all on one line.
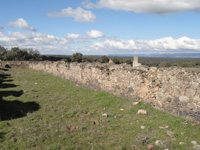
[(101, 26)]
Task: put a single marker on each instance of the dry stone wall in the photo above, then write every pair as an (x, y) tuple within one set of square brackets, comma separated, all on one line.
[(173, 90)]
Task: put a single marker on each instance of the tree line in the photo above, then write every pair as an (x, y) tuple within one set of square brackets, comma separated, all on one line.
[(16, 53), (29, 54)]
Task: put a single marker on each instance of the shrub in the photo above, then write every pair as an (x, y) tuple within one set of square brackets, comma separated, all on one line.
[(104, 59), (77, 57)]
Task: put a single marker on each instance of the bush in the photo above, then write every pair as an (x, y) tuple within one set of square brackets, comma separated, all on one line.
[(104, 59), (115, 60), (19, 54), (77, 57), (90, 59)]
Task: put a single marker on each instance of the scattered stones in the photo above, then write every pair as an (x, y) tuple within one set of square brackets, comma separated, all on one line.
[(135, 103), (95, 122), (166, 127), (142, 112), (170, 133), (159, 143), (196, 147), (182, 133), (181, 143), (194, 142), (142, 140), (121, 109), (150, 147), (135, 147), (105, 115)]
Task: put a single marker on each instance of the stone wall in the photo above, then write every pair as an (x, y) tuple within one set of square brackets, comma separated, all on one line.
[(173, 90), (14, 63)]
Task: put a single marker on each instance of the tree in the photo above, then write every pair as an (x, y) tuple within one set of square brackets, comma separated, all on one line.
[(77, 57), (90, 59), (104, 59), (115, 60), (2, 51), (19, 54)]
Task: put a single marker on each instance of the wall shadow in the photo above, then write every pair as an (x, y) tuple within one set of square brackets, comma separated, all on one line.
[(13, 109), (16, 109), (2, 134)]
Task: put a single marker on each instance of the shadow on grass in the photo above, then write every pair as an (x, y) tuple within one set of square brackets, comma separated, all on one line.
[(3, 69), (2, 134), (16, 109), (13, 109)]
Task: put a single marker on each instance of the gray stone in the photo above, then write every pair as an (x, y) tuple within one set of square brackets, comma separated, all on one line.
[(172, 80), (170, 133), (183, 100), (197, 98), (142, 112), (198, 117), (194, 142), (181, 113), (190, 92), (159, 96), (159, 143), (196, 147), (168, 99), (176, 100), (192, 113), (130, 90), (192, 106)]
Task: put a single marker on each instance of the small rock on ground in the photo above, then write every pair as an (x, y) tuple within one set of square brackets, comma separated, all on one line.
[(159, 143), (142, 112), (150, 147), (196, 147)]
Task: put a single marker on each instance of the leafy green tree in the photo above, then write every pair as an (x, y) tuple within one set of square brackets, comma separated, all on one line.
[(104, 59), (90, 59), (2, 51), (115, 60), (77, 57), (128, 61), (67, 59)]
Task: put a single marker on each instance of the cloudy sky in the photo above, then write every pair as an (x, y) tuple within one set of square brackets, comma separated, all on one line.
[(101, 26)]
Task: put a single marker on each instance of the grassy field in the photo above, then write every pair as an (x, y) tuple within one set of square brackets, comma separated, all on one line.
[(42, 112)]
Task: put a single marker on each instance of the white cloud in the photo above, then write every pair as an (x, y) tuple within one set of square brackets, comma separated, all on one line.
[(159, 45), (78, 14), (147, 6), (21, 24), (50, 44), (73, 36), (95, 34), (42, 42)]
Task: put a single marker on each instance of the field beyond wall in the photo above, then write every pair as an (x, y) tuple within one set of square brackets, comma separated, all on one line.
[(39, 111)]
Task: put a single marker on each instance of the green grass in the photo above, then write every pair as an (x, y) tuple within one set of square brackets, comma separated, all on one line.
[(70, 118)]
